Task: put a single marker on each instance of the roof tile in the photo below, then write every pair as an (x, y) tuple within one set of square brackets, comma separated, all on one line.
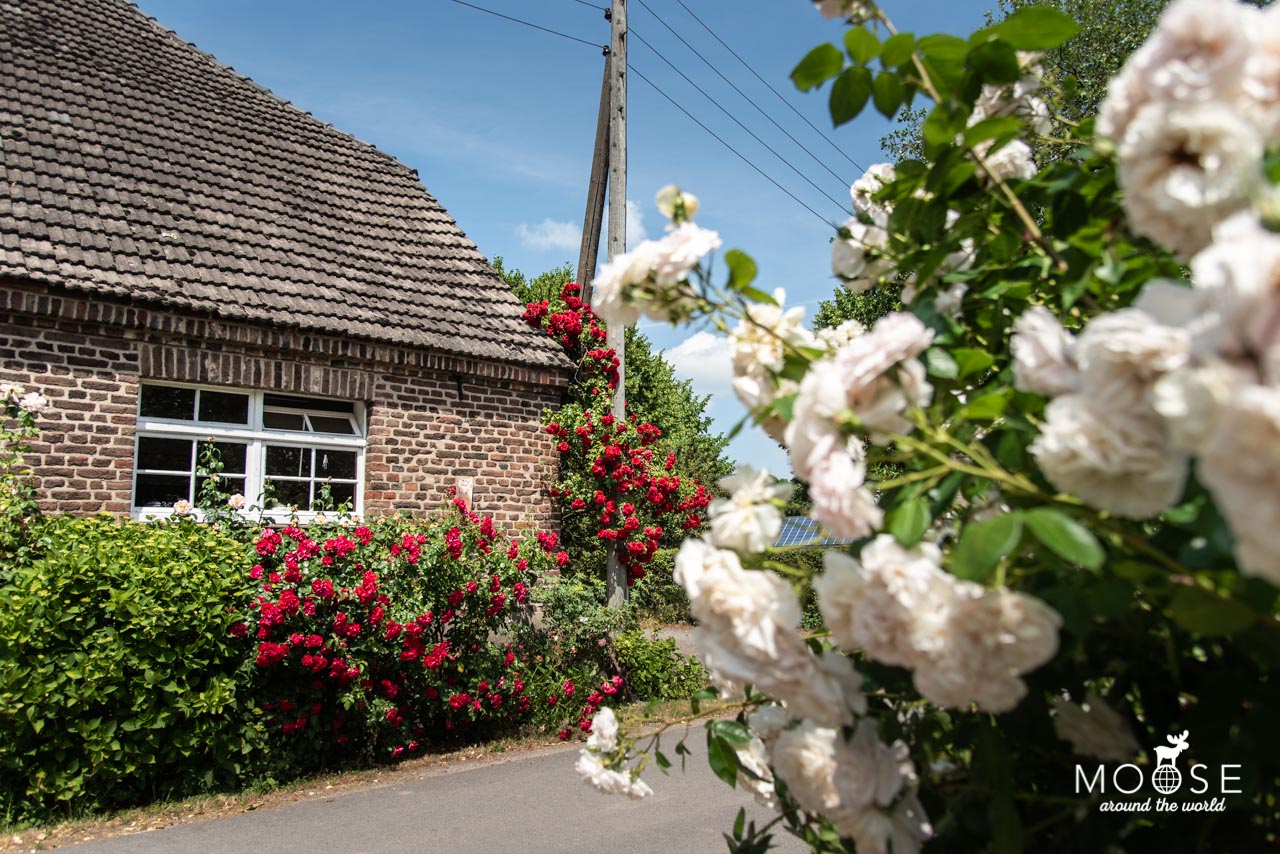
[(167, 177)]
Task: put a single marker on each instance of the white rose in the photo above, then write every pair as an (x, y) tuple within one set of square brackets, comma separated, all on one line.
[(1240, 464), (768, 722), (1094, 729), (33, 402), (1190, 400), (859, 259), (754, 773), (609, 289), (1120, 462), (181, 507), (990, 638), (1184, 168), (1198, 53), (874, 604), (1010, 161), (236, 501), (1122, 353), (840, 501), (604, 731), (611, 782), (863, 190), (1237, 280), (748, 521), (835, 337), (682, 249), (760, 340), (1043, 354), (843, 8), (671, 196)]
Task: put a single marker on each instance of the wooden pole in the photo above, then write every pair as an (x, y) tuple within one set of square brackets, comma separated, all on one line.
[(594, 216), (616, 580)]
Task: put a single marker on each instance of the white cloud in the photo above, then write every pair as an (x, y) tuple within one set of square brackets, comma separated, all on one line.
[(703, 358), (549, 234), (636, 233)]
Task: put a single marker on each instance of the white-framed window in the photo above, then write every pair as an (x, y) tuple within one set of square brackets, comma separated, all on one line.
[(280, 451)]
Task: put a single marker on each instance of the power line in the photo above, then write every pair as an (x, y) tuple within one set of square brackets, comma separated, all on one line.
[(592, 5), (671, 100), (734, 118), (527, 23), (719, 139), (744, 95), (790, 106)]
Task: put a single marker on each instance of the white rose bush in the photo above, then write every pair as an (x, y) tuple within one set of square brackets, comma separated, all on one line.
[(1058, 458)]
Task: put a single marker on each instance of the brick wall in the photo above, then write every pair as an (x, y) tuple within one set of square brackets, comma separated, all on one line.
[(433, 418)]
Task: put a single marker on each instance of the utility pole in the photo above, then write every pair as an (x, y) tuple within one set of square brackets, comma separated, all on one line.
[(594, 216), (616, 577)]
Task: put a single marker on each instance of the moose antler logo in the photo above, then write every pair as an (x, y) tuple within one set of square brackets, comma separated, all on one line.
[(1167, 778), (1167, 755)]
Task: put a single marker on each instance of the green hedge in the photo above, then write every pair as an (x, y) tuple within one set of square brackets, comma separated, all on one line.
[(120, 681)]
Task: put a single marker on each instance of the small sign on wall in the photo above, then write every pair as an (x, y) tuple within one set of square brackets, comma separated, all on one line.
[(464, 486)]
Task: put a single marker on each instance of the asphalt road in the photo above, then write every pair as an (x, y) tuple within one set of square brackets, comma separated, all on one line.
[(535, 804)]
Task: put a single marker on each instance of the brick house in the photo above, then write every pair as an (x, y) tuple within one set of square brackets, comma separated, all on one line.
[(184, 255)]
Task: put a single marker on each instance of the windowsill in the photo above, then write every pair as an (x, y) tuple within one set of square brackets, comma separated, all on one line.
[(266, 517)]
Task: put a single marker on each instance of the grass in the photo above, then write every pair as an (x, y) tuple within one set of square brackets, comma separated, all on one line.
[(636, 717)]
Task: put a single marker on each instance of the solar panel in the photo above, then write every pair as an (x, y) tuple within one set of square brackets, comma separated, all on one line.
[(803, 531)]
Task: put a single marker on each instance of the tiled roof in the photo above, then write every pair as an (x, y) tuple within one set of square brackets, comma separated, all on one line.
[(135, 166)]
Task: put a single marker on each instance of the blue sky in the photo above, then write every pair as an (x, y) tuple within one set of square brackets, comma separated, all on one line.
[(499, 121)]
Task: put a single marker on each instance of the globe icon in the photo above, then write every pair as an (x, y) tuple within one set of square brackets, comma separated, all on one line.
[(1166, 779)]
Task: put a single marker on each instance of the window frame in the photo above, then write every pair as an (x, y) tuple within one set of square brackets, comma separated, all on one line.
[(257, 438)]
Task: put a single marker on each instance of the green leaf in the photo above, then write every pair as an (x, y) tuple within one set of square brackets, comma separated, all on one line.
[(1066, 537), (942, 125), (661, 758), (897, 50), (971, 361), (862, 45), (908, 521), (731, 731), (984, 544), (742, 269), (995, 62), (1200, 611), (987, 407), (1035, 28), (849, 94), (992, 128), (739, 823), (887, 93), (940, 363), (723, 759), (818, 66)]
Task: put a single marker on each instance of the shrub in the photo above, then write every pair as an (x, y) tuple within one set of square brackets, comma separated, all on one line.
[(121, 682), (654, 670), (371, 642), (656, 596)]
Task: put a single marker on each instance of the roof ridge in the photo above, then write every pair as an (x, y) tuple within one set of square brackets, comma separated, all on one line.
[(220, 65)]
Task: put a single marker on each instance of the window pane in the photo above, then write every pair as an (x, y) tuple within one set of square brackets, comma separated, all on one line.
[(320, 404), (290, 492), (329, 424), (160, 490), (343, 492), (163, 401), (226, 486), (289, 462), (168, 454), (233, 456), (283, 421), (224, 407), (340, 464)]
